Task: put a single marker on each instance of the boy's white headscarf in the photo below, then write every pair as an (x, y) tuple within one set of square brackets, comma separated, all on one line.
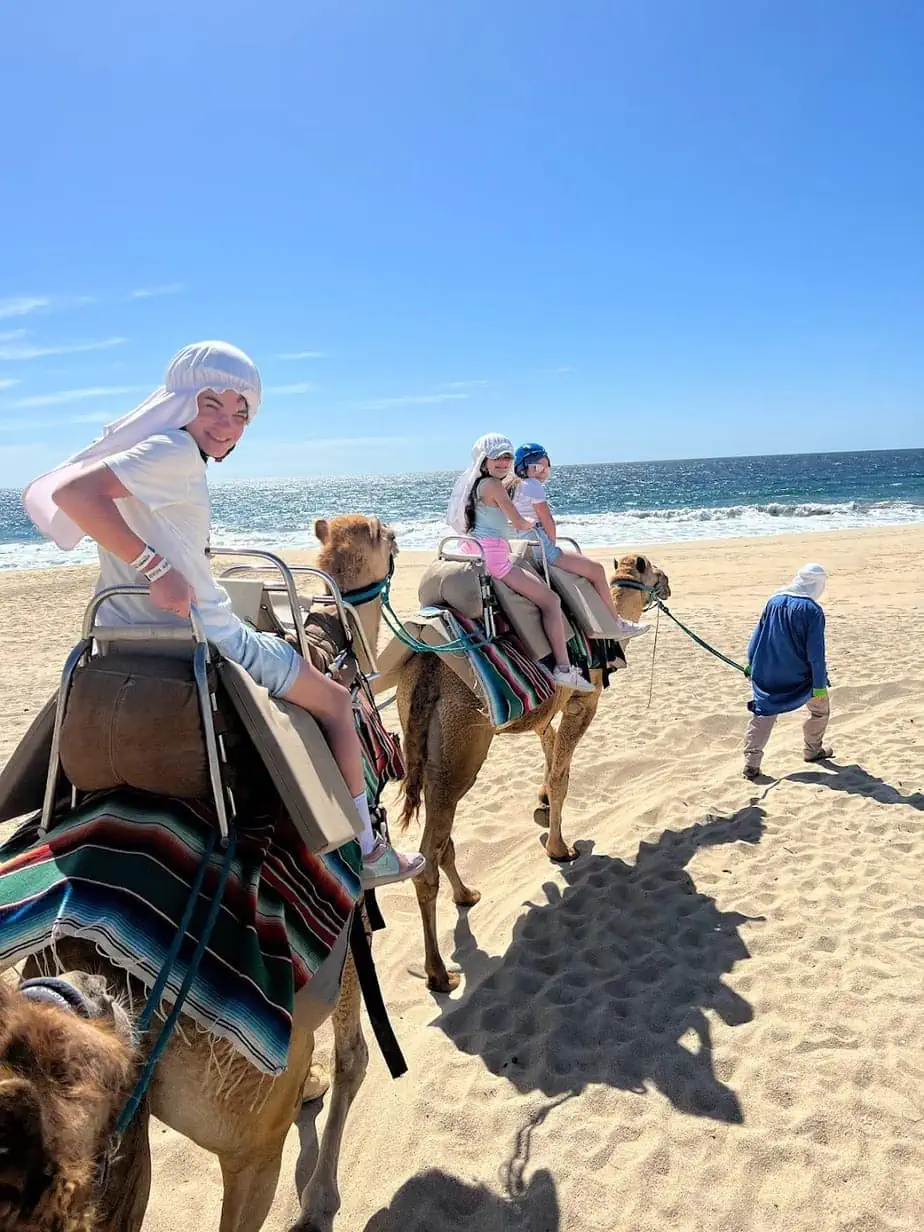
[(809, 583), (203, 365), (491, 445)]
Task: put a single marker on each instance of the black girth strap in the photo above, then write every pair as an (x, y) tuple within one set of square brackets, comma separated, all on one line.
[(374, 912), (372, 995)]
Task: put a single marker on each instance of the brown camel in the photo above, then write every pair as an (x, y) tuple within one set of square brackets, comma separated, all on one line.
[(62, 1080), (201, 1088), (447, 737)]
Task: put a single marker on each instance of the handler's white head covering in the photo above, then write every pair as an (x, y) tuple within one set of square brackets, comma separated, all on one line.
[(204, 365), (809, 583), (491, 445)]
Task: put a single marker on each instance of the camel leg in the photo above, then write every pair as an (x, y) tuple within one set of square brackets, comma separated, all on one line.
[(427, 887), (124, 1199), (547, 739), (462, 895), (321, 1197), (250, 1180), (577, 717)]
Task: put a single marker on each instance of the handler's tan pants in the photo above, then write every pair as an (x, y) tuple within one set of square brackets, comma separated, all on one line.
[(813, 731)]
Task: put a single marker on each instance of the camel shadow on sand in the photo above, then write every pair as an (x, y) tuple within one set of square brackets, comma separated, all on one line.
[(436, 1200), (602, 982)]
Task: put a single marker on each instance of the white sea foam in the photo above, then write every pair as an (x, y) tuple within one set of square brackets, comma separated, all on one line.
[(624, 528)]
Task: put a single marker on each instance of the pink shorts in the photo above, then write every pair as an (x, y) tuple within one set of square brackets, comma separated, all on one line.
[(496, 556)]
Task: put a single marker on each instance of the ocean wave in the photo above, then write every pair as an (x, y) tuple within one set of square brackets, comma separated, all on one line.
[(624, 527)]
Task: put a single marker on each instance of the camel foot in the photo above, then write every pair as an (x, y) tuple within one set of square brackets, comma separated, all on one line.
[(447, 982), (562, 855), (468, 898), (541, 816), (317, 1083)]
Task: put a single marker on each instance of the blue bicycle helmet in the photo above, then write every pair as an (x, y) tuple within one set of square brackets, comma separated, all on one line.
[(525, 456)]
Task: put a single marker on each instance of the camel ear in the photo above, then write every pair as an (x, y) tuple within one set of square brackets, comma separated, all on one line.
[(26, 1169), (322, 529), (641, 564)]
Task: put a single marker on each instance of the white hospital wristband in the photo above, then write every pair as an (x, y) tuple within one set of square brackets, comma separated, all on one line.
[(160, 570), (144, 559)]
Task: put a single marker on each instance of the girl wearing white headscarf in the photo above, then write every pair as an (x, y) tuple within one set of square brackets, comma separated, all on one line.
[(141, 492), (786, 660), (481, 511)]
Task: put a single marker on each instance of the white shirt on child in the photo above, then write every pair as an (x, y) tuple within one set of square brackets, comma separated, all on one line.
[(169, 508), (529, 493)]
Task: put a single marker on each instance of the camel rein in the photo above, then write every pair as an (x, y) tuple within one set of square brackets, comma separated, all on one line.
[(655, 601), (382, 590)]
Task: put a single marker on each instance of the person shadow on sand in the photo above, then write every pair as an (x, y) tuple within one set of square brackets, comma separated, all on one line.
[(602, 982)]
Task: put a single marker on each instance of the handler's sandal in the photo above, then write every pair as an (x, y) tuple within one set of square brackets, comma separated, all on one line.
[(821, 755), (384, 866), (751, 773), (628, 628), (571, 678)]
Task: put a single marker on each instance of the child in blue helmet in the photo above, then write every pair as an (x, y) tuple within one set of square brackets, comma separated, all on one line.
[(531, 468)]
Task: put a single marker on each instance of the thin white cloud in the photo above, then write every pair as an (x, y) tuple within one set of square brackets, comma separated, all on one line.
[(302, 355), (463, 384), (385, 404), (38, 425), (12, 334), (63, 396), (283, 391), (23, 305), (8, 382), (31, 351), (170, 288), (26, 305)]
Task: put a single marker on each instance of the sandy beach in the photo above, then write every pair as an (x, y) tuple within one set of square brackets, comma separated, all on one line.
[(712, 1021)]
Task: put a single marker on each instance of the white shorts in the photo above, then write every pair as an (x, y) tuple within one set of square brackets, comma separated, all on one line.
[(270, 660)]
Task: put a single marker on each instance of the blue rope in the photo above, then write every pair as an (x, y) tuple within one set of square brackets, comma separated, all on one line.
[(144, 1080), (157, 990), (460, 645)]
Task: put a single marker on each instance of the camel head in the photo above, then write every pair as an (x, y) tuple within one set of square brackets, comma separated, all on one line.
[(355, 550), (66, 1065), (630, 602)]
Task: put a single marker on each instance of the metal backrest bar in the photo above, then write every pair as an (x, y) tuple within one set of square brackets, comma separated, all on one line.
[(194, 633), (345, 611)]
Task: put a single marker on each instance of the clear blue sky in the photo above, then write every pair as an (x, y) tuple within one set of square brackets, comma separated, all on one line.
[(629, 230)]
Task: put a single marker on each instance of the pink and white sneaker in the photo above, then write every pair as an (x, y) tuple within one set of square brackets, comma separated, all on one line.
[(385, 866)]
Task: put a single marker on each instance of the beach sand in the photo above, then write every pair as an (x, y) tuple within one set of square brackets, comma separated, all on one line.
[(712, 1021)]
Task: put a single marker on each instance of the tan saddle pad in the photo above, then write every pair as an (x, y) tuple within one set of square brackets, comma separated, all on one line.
[(457, 585)]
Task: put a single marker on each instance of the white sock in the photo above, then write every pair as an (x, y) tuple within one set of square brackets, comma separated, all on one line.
[(563, 667), (367, 838)]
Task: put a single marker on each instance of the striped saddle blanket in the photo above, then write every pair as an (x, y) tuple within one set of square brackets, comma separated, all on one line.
[(117, 871), (510, 682)]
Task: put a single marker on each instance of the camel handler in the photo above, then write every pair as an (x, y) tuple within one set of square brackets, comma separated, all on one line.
[(786, 665), (141, 492)]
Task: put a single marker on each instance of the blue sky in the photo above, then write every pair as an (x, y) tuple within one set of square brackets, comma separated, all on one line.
[(629, 230)]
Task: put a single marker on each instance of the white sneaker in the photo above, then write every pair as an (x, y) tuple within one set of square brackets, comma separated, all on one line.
[(628, 628), (571, 678)]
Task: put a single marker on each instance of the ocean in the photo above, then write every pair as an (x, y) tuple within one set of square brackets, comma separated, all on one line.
[(620, 503)]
